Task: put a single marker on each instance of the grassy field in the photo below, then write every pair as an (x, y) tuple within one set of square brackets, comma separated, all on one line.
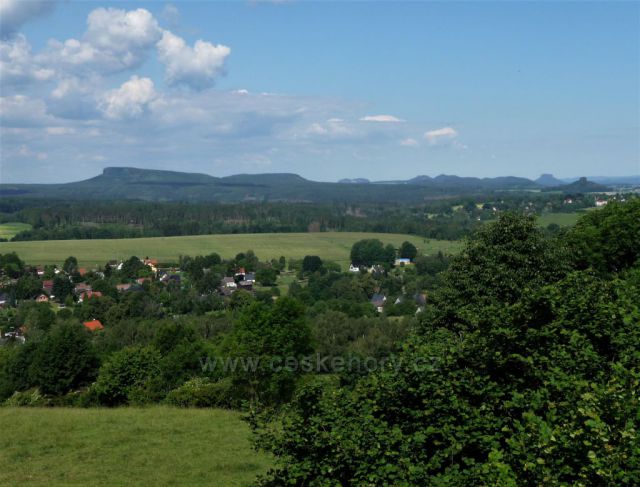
[(126, 447), (9, 230), (561, 219), (328, 245)]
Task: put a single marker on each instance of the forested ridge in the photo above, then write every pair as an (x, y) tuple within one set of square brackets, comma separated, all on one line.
[(447, 218)]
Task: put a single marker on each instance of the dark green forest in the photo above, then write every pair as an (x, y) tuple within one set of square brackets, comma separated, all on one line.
[(448, 218)]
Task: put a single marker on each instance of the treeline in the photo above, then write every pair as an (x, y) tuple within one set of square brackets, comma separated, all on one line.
[(451, 218)]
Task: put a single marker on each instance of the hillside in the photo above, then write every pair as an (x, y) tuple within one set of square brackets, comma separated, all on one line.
[(582, 185), (549, 180), (126, 446), (156, 185)]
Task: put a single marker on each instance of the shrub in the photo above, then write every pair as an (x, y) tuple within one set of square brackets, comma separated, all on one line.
[(130, 375), (203, 393), (64, 360), (31, 398)]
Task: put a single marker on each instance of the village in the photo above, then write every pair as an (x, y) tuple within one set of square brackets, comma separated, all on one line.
[(211, 284)]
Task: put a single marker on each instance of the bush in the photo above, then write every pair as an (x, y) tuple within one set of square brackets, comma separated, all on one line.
[(131, 375), (64, 360), (203, 393), (30, 398)]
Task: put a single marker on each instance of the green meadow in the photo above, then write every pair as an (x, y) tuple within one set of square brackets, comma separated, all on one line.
[(334, 246), (560, 219), (126, 447), (9, 230)]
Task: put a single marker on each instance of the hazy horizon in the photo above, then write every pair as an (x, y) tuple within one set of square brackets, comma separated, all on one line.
[(383, 91)]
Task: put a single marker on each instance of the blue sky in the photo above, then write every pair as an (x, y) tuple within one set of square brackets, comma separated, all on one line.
[(324, 89)]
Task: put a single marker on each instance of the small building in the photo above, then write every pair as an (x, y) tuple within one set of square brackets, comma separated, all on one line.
[(43, 298), (246, 285), (378, 301), (123, 287), (175, 278), (142, 280), (82, 287), (93, 325), (600, 203), (420, 299), (250, 277), (402, 261), (151, 263), (377, 270), (88, 295), (354, 268), (47, 285), (228, 283)]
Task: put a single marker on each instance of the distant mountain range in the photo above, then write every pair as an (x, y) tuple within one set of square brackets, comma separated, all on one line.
[(157, 185), (549, 180)]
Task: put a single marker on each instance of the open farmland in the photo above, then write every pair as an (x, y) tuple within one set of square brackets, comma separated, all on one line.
[(560, 219), (11, 229), (126, 447), (334, 246)]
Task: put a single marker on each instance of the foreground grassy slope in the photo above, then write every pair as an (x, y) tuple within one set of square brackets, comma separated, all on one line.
[(126, 447), (330, 245)]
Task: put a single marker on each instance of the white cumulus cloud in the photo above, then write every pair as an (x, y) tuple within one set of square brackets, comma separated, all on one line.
[(130, 100), (196, 66), (15, 13), (440, 135), (381, 118), (17, 64), (115, 40)]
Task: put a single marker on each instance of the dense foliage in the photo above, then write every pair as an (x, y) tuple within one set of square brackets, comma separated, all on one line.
[(524, 371)]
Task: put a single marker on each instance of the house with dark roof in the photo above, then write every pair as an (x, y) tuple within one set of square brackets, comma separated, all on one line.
[(378, 301), (246, 285)]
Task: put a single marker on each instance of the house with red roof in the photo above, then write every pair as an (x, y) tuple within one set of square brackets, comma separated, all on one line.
[(89, 295), (93, 325)]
